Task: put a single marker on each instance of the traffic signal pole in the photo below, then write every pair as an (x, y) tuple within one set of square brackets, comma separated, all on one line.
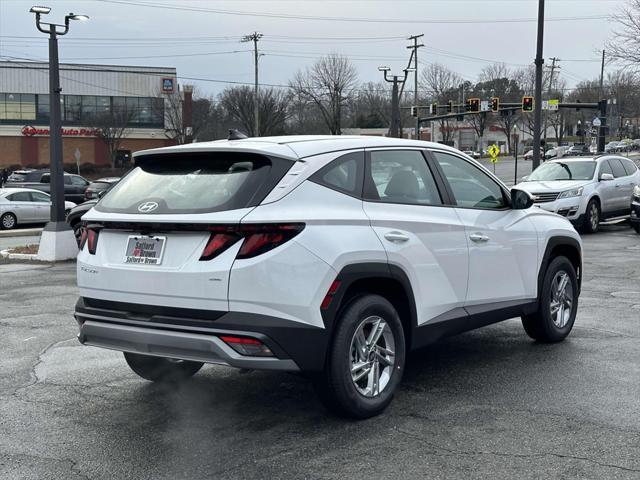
[(537, 108)]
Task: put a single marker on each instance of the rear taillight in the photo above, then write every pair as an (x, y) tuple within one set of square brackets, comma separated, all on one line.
[(218, 243), (247, 346), (91, 239), (257, 238)]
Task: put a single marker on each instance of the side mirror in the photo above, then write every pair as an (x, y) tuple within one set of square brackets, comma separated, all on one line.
[(525, 178), (606, 177), (521, 200), (101, 194)]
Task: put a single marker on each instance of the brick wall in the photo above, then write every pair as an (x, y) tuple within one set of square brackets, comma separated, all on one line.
[(10, 151)]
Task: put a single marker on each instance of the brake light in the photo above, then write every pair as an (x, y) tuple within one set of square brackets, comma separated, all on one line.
[(262, 238), (218, 243), (257, 238), (92, 240), (247, 346)]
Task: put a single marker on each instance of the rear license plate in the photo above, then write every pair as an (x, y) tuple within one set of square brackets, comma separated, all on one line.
[(144, 250)]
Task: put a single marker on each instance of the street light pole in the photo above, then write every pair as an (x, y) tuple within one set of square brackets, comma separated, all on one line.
[(58, 241)]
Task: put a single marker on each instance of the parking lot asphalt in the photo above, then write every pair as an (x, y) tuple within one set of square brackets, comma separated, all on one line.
[(486, 404)]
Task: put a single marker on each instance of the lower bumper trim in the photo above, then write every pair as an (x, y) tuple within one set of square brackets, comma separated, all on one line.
[(197, 347)]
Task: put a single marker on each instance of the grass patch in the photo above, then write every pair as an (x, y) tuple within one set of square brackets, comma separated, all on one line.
[(28, 249)]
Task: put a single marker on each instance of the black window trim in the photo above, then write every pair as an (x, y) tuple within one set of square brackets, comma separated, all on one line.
[(628, 161), (316, 177), (367, 192), (453, 202)]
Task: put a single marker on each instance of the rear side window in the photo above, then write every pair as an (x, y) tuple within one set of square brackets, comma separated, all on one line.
[(618, 169), (629, 166), (19, 197), (40, 197), (197, 182), (400, 176), (343, 174)]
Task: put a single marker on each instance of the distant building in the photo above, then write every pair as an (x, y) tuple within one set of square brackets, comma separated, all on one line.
[(87, 90)]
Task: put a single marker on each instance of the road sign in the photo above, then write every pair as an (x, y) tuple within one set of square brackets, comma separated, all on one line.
[(545, 105), (493, 152), (554, 104), (484, 106), (596, 122)]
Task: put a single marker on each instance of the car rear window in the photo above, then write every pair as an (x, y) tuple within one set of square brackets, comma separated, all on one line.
[(195, 183)]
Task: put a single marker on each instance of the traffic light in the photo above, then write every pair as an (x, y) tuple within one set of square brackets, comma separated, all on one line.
[(414, 111), (473, 105), (450, 107), (433, 110), (527, 104), (495, 104)]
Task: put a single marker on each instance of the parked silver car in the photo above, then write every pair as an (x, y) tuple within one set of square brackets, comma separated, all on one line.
[(585, 190), (25, 205)]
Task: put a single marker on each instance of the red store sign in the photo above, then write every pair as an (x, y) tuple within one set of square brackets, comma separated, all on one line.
[(29, 131)]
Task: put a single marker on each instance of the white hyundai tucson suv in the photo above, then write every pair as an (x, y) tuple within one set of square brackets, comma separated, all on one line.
[(332, 256)]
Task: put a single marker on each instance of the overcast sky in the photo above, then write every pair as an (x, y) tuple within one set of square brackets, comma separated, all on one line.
[(202, 41)]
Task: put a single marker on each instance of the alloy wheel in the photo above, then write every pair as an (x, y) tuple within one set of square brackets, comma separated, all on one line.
[(561, 302), (594, 217), (8, 222), (372, 355)]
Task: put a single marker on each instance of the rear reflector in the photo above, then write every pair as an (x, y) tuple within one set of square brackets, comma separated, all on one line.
[(257, 238), (247, 346), (326, 301)]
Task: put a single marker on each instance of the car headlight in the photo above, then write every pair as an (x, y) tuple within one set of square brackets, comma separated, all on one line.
[(636, 191), (576, 192)]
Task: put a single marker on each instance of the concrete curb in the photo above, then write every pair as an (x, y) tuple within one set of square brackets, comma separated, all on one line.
[(18, 256), (24, 232)]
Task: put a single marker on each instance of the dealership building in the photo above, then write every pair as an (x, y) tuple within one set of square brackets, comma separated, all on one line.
[(89, 93)]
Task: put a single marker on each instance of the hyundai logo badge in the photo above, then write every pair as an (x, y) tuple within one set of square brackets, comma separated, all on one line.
[(147, 207)]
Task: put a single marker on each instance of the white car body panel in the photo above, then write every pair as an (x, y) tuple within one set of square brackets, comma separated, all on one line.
[(512, 247)]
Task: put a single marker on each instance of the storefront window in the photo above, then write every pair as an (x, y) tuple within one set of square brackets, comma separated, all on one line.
[(72, 108)]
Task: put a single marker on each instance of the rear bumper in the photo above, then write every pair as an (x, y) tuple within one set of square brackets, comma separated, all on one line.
[(194, 335), (635, 211)]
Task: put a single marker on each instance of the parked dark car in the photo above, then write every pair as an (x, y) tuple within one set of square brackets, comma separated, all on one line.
[(75, 214), (19, 175), (100, 185), (74, 185), (577, 150), (635, 209)]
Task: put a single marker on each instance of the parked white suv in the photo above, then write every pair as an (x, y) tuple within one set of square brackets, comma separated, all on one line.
[(586, 190), (334, 256)]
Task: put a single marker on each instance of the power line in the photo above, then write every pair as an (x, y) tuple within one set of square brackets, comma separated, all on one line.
[(348, 19)]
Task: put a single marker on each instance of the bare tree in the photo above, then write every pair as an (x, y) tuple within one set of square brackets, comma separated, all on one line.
[(625, 43), (329, 84), (371, 107), (443, 85), (202, 112), (272, 109), (112, 127)]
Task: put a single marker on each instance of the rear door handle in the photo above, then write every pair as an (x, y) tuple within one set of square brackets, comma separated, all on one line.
[(478, 237), (396, 237)]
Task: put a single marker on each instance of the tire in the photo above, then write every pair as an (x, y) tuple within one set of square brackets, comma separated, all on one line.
[(547, 326), (636, 227), (8, 221), (158, 369), (591, 222), (336, 386)]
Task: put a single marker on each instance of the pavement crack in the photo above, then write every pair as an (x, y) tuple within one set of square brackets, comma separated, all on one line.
[(450, 451), (34, 376)]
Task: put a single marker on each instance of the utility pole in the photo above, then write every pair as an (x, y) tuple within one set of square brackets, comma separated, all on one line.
[(254, 37), (415, 48), (537, 110), (602, 77), (546, 114), (394, 130)]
